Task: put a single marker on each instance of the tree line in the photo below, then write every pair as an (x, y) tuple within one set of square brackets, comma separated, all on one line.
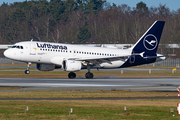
[(84, 21)]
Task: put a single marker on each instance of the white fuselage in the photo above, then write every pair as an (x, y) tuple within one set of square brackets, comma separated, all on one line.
[(55, 53)]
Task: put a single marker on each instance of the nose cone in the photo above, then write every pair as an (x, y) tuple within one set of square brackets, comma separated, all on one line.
[(7, 53)]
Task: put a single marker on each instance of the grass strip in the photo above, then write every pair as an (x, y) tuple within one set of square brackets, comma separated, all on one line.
[(81, 74), (89, 110), (84, 94)]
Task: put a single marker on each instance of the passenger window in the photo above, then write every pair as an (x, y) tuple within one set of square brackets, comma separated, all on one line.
[(21, 47), (13, 46)]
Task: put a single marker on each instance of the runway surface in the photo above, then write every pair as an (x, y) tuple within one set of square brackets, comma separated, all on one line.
[(97, 84)]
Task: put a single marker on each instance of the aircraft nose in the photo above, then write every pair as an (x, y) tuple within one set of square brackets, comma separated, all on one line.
[(7, 53)]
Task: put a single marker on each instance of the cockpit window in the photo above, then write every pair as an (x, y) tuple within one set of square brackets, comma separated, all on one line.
[(18, 47)]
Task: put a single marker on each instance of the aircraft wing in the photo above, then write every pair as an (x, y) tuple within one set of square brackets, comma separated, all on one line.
[(98, 60)]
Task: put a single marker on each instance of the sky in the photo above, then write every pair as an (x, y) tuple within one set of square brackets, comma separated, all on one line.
[(172, 4)]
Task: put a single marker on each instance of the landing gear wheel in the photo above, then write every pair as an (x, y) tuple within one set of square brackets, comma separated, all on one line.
[(28, 66), (72, 75), (89, 75), (26, 71)]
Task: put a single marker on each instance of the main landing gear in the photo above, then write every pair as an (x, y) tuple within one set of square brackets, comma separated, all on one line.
[(88, 75), (28, 66), (72, 75)]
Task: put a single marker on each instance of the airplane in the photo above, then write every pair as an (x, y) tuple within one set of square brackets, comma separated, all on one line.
[(71, 58)]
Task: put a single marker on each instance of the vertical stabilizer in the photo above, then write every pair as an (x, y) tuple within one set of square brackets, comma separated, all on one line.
[(149, 42)]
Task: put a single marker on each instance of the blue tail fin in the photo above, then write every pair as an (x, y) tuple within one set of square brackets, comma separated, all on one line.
[(149, 42)]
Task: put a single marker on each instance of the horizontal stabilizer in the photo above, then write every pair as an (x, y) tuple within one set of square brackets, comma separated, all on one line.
[(152, 57)]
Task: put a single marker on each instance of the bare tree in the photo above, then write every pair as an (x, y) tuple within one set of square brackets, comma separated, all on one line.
[(36, 28), (46, 21), (57, 34)]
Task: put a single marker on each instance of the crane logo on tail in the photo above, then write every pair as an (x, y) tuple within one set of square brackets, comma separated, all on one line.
[(150, 42)]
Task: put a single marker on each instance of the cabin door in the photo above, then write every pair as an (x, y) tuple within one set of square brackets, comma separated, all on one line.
[(33, 48)]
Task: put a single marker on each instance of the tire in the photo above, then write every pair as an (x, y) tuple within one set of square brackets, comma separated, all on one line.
[(89, 75), (26, 71), (72, 75)]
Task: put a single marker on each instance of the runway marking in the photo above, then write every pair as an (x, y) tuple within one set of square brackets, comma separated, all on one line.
[(60, 84), (86, 85)]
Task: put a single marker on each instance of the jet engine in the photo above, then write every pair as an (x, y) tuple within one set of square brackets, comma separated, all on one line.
[(71, 65), (45, 67)]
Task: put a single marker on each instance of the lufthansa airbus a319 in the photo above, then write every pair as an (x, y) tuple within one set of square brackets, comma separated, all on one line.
[(71, 58)]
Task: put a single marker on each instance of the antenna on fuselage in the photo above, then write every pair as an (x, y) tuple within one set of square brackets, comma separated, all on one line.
[(31, 40)]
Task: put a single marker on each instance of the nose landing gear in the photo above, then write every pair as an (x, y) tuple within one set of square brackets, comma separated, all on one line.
[(28, 66), (26, 71)]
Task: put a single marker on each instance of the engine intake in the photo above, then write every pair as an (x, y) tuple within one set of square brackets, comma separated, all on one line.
[(71, 65)]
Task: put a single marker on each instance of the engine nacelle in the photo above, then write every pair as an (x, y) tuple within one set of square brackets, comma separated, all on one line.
[(71, 65), (45, 67)]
